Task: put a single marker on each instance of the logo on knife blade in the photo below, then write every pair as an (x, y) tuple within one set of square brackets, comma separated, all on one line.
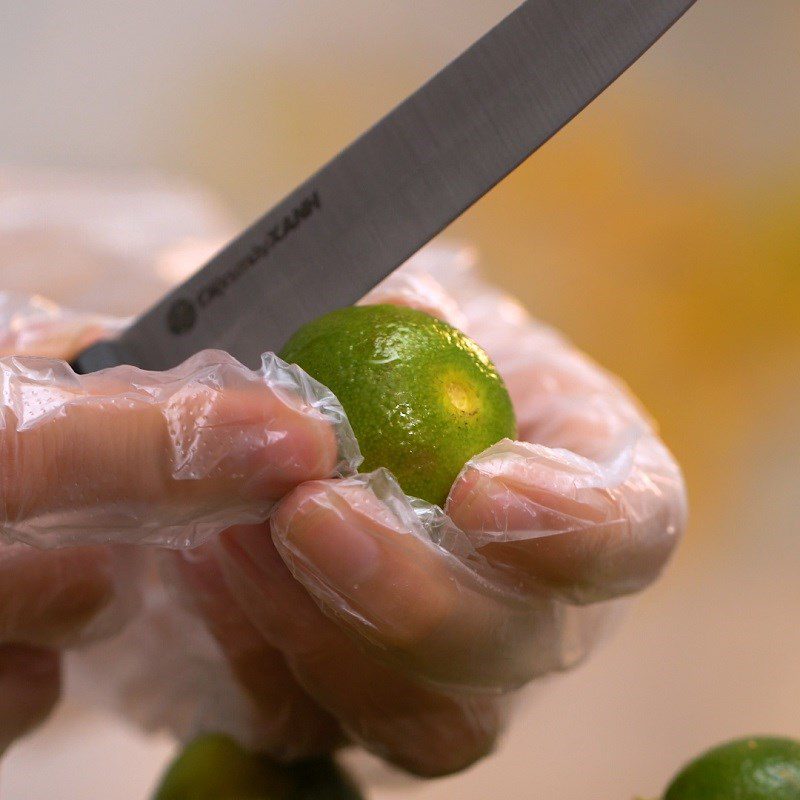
[(182, 314)]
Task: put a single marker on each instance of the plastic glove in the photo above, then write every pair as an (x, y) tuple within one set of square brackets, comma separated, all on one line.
[(416, 660), (359, 614), (124, 457)]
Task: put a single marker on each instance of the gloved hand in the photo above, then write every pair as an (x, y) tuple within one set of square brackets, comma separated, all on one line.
[(90, 465), (358, 614), (355, 613)]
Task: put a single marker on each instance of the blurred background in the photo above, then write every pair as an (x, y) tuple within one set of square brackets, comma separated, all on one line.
[(660, 231)]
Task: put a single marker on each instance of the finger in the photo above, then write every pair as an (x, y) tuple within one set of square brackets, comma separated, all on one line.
[(588, 531), (29, 688), (419, 594), (597, 510), (596, 505), (424, 730), (136, 456), (291, 725), (54, 598)]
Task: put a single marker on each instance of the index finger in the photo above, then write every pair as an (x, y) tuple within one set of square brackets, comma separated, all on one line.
[(414, 589), (168, 458)]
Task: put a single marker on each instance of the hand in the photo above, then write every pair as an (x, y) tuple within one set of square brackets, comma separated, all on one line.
[(88, 464), (358, 614)]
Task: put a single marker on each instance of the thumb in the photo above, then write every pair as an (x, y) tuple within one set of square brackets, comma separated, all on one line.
[(126, 455)]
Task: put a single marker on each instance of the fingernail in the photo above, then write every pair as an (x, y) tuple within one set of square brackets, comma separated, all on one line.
[(275, 602), (537, 495), (349, 551), (338, 551)]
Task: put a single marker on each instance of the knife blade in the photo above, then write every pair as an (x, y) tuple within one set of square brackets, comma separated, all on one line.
[(399, 185)]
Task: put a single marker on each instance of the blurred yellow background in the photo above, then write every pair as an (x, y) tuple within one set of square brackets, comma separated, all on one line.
[(661, 231)]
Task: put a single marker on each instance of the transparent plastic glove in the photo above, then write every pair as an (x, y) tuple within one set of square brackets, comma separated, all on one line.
[(410, 630), (90, 465), (80, 238), (47, 600)]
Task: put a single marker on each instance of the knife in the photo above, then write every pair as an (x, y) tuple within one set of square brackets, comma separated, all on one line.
[(398, 185)]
